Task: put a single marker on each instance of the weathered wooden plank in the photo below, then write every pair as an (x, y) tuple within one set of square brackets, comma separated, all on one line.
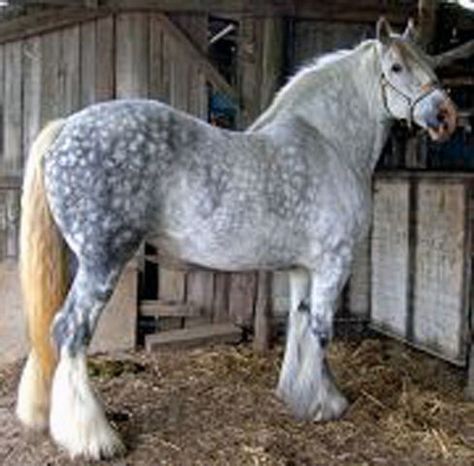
[(3, 225), (88, 62), (200, 292), (171, 285), (32, 62), (167, 68), (179, 67), (263, 312), (167, 309), (272, 59), (10, 181), (202, 110), (12, 113), (390, 256), (156, 85), (196, 336), (165, 324), (359, 283), (13, 222), (197, 91), (13, 344), (469, 390), (250, 71), (281, 293), (50, 104), (220, 311), (70, 70), (132, 55), (105, 59), (97, 60), (440, 311), (2, 105), (242, 295), (426, 27)]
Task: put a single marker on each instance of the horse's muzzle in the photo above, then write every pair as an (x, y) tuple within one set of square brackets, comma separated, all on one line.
[(437, 114)]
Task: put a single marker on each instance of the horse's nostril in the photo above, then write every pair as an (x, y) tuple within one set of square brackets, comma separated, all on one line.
[(441, 117)]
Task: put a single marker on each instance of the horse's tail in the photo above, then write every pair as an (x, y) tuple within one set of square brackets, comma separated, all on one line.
[(44, 281)]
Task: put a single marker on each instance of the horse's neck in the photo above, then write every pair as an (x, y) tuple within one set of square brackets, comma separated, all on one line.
[(342, 101)]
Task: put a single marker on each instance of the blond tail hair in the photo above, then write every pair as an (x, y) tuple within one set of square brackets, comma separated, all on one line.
[(43, 264)]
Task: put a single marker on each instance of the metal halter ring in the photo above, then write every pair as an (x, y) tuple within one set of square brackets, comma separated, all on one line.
[(426, 90)]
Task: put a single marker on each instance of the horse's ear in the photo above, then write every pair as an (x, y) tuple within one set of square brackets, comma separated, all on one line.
[(384, 31), (410, 31)]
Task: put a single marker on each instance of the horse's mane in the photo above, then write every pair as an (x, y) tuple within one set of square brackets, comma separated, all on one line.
[(305, 77)]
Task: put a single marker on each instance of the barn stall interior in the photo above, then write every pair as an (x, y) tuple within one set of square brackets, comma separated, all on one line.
[(412, 279)]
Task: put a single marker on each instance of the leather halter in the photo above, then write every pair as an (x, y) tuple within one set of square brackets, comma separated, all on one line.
[(426, 89)]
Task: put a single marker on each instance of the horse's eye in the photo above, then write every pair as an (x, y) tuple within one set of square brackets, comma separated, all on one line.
[(396, 67)]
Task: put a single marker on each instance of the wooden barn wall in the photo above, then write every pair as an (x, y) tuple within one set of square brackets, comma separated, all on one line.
[(422, 260), (314, 38)]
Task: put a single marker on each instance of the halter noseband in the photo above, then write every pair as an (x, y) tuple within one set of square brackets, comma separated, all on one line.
[(426, 89)]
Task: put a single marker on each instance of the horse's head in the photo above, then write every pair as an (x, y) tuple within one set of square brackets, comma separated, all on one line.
[(410, 88)]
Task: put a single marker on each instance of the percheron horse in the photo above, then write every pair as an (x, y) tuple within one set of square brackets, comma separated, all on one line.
[(292, 192)]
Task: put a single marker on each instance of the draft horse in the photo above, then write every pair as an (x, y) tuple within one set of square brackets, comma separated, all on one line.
[(292, 192)]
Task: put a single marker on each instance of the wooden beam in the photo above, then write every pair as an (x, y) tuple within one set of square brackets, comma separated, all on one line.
[(45, 21), (427, 21), (167, 309), (77, 11), (195, 336), (263, 312), (458, 53), (341, 10), (10, 181)]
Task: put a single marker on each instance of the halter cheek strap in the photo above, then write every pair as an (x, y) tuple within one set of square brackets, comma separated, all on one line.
[(425, 90)]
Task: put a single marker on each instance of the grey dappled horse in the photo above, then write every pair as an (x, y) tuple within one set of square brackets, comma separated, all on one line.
[(293, 192)]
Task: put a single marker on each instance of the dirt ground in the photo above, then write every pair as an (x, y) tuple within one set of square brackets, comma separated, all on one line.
[(216, 406)]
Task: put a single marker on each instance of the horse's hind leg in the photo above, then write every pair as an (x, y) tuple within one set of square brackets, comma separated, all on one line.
[(77, 419)]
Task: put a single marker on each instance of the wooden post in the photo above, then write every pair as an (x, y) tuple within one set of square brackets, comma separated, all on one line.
[(262, 323), (427, 22), (260, 62), (469, 390)]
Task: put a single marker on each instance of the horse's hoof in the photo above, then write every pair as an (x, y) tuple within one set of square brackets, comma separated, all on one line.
[(333, 408), (99, 442), (77, 420)]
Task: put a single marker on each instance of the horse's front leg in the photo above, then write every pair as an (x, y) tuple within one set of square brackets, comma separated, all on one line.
[(306, 383)]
